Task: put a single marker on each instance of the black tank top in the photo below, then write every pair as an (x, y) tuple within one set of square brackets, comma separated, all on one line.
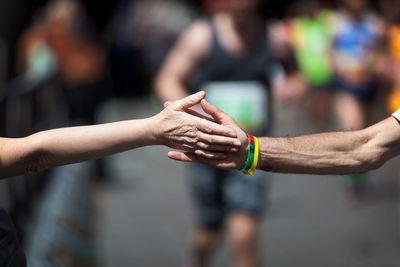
[(220, 65), (234, 77)]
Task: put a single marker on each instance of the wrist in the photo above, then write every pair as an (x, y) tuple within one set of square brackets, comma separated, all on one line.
[(154, 130), (252, 156), (243, 152)]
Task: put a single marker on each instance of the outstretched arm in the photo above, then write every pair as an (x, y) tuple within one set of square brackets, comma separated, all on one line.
[(332, 153), (325, 153), (172, 127)]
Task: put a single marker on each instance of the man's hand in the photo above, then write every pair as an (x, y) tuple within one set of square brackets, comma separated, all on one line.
[(179, 129), (233, 160)]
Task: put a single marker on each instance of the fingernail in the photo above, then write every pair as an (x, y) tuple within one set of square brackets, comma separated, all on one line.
[(234, 149), (237, 143)]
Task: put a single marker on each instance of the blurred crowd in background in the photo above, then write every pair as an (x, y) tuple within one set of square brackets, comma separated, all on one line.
[(60, 59)]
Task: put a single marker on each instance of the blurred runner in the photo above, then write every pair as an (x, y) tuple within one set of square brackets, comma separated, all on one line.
[(357, 36), (230, 56), (311, 37)]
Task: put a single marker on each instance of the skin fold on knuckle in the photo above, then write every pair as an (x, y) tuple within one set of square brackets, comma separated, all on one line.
[(192, 139), (202, 153), (187, 147), (203, 145), (212, 139), (183, 132), (207, 128)]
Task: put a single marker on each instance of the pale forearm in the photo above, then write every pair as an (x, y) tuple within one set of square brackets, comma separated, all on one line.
[(328, 153), (75, 144), (172, 127)]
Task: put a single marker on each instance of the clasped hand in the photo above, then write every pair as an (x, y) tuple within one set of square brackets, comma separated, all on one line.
[(214, 140)]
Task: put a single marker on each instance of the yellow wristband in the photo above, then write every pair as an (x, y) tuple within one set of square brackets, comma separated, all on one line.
[(256, 155)]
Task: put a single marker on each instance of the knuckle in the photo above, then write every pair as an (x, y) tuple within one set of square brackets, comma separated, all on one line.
[(202, 145), (213, 139), (191, 134), (208, 129), (195, 138), (187, 147), (190, 141), (199, 152)]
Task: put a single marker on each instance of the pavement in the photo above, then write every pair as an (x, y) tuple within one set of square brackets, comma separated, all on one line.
[(145, 214)]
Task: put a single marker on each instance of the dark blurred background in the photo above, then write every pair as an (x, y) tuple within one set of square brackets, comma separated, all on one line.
[(75, 62)]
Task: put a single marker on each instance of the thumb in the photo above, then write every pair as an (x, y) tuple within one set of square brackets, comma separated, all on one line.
[(217, 114), (189, 101)]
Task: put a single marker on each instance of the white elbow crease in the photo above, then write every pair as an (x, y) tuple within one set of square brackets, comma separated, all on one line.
[(371, 154), (36, 162), (36, 158), (373, 160)]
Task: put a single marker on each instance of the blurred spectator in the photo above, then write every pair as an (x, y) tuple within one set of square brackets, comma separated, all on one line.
[(143, 32), (230, 56), (356, 44), (62, 43)]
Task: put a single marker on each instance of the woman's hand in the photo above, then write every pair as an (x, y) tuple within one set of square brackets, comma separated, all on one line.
[(179, 127), (232, 160)]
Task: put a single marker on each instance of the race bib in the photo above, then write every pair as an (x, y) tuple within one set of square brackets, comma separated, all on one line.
[(246, 102)]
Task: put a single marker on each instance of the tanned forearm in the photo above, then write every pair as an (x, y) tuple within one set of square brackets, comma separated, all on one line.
[(328, 153), (325, 153)]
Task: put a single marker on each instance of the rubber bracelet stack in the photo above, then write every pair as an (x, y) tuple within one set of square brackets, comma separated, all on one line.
[(255, 160), (252, 157)]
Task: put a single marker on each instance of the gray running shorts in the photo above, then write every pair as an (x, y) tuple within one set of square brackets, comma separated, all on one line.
[(218, 192)]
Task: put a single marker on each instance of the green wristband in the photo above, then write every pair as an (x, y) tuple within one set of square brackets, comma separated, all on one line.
[(250, 158)]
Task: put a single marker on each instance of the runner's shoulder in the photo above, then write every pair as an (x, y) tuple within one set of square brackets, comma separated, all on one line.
[(198, 36)]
